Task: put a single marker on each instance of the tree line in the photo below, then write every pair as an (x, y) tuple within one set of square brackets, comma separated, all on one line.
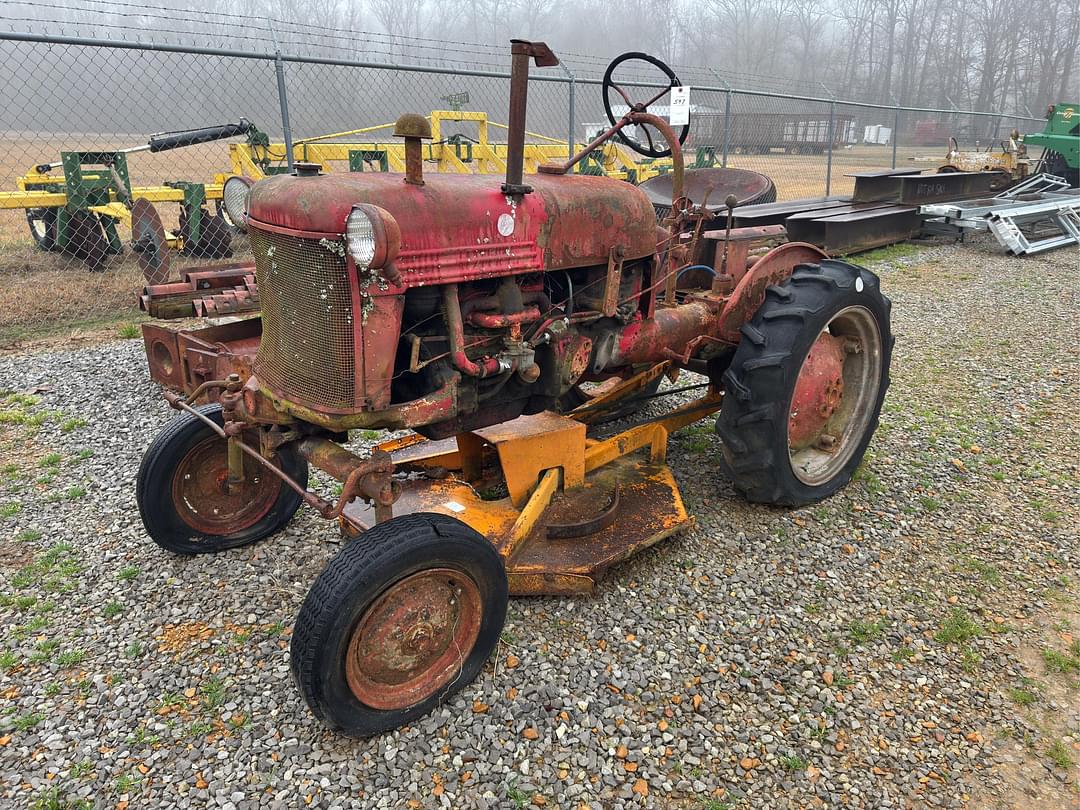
[(980, 54)]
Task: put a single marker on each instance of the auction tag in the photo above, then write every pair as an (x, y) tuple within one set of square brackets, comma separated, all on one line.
[(679, 115)]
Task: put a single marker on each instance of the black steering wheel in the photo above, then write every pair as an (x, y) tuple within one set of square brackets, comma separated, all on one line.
[(650, 149)]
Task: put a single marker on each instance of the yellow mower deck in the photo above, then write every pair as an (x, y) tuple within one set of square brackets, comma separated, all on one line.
[(561, 508)]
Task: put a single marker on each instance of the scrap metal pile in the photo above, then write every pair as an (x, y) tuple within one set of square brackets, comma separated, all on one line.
[(1042, 213), (973, 190), (884, 208)]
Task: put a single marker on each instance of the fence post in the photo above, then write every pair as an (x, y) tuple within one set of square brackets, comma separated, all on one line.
[(895, 134), (727, 123), (283, 96), (954, 129), (573, 114), (832, 126), (895, 127), (727, 117)]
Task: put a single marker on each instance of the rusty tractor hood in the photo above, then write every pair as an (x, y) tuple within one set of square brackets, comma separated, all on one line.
[(463, 225)]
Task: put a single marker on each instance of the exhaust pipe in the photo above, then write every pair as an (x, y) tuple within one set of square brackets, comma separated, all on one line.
[(520, 52)]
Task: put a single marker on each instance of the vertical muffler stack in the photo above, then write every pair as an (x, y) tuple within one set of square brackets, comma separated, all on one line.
[(521, 51)]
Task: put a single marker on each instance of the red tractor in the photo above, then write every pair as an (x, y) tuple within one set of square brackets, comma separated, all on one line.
[(498, 321)]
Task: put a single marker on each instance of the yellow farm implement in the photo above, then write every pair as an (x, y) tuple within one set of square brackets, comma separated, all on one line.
[(445, 153)]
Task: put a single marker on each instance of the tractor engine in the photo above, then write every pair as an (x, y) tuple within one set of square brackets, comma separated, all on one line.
[(441, 303)]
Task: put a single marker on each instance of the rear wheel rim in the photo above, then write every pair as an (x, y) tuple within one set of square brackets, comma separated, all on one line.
[(204, 501), (38, 227), (414, 639), (833, 400)]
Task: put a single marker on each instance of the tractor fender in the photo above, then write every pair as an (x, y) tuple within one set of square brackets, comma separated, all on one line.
[(749, 293)]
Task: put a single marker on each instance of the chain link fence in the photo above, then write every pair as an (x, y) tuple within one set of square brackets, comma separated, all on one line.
[(78, 115)]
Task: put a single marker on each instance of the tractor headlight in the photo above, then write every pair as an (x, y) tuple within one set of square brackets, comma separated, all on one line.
[(360, 234), (372, 235), (234, 196)]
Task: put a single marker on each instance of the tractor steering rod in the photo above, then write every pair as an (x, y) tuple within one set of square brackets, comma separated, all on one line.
[(632, 117)]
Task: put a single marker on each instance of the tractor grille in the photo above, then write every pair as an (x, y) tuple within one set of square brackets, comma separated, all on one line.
[(306, 352)]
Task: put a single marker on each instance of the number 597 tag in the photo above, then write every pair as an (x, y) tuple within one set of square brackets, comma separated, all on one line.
[(679, 114)]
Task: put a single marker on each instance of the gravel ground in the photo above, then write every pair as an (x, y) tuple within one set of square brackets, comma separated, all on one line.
[(909, 642)]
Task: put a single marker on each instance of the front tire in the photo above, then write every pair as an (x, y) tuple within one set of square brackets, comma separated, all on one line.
[(805, 387), (401, 619), (184, 503)]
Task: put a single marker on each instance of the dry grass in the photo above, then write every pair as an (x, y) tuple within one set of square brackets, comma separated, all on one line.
[(46, 293), (804, 175), (34, 304)]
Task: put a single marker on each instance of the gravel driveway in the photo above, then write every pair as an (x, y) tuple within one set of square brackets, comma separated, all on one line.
[(913, 641)]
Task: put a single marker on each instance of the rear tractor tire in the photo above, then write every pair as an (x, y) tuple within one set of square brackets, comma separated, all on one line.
[(805, 387), (183, 497), (401, 619)]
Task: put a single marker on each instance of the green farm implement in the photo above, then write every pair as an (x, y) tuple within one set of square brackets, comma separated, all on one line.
[(77, 212), (1061, 142)]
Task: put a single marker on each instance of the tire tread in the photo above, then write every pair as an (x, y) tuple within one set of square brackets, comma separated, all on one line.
[(749, 421)]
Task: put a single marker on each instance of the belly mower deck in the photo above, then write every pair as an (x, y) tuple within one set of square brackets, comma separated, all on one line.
[(560, 507)]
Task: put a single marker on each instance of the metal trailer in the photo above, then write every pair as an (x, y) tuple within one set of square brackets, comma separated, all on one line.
[(761, 132), (930, 133)]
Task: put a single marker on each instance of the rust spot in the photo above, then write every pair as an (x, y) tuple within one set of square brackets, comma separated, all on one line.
[(818, 393), (413, 639)]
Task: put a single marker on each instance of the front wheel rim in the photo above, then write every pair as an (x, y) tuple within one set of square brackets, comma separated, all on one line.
[(414, 639), (834, 397), (204, 500)]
